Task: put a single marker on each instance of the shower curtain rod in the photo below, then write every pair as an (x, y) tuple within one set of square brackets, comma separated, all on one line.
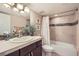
[(69, 11)]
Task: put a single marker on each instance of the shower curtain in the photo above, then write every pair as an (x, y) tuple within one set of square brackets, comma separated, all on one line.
[(45, 32)]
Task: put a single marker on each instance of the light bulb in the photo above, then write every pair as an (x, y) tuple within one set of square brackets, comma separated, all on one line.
[(15, 9), (19, 6), (21, 11), (26, 9)]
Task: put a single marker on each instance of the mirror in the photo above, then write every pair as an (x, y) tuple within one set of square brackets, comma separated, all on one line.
[(9, 23), (5, 23)]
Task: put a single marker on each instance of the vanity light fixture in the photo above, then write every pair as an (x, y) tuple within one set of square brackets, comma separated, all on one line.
[(26, 9), (17, 7)]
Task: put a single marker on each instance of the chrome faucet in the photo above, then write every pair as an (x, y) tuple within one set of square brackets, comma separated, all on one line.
[(20, 33)]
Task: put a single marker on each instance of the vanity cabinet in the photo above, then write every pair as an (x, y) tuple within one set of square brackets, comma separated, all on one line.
[(38, 50), (34, 49), (27, 50)]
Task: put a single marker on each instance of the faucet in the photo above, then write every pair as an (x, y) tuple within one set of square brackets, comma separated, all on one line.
[(20, 33)]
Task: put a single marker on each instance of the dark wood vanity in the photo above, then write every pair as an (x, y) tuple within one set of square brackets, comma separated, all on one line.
[(35, 49)]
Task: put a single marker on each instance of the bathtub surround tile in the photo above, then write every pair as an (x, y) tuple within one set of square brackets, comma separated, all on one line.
[(63, 33), (64, 29), (65, 24)]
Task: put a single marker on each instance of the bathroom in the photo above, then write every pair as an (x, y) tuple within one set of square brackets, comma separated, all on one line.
[(55, 29)]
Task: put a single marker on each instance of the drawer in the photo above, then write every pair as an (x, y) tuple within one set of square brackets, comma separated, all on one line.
[(27, 49)]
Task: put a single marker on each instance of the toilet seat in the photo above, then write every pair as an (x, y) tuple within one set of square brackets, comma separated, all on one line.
[(47, 48)]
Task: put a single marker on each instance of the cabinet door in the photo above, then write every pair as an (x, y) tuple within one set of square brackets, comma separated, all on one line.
[(16, 53), (28, 54), (37, 51), (26, 50)]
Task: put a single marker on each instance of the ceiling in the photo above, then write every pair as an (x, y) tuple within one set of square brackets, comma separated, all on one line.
[(45, 8), (52, 8)]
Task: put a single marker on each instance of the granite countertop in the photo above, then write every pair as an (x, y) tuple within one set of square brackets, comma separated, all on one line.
[(7, 47)]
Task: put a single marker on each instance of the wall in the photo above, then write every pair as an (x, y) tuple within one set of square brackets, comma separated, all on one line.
[(77, 41), (33, 21), (63, 33), (18, 21)]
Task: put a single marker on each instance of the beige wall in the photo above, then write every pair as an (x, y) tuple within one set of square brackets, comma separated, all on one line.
[(18, 21), (63, 33), (77, 41), (33, 21)]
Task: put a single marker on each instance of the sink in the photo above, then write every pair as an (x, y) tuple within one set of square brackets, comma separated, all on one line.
[(21, 39)]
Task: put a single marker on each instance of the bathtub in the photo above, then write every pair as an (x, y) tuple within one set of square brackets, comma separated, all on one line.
[(64, 49)]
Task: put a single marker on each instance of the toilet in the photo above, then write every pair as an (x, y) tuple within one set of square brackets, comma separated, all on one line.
[(47, 50)]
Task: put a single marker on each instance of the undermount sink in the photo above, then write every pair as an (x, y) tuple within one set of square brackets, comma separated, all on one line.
[(21, 39)]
